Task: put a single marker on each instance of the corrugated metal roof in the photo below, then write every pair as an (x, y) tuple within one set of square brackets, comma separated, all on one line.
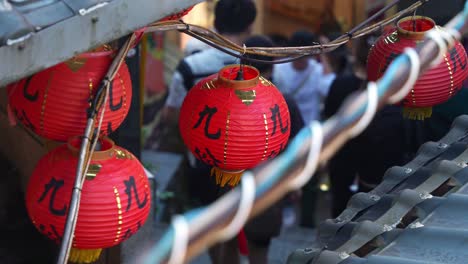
[(19, 18), (418, 214)]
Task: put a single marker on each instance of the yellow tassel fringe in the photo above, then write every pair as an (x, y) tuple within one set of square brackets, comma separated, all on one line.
[(417, 113), (226, 177), (84, 255)]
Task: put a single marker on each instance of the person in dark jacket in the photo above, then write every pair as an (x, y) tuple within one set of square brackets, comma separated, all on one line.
[(381, 145)]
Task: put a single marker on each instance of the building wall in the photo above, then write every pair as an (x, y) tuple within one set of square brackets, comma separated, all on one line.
[(285, 17)]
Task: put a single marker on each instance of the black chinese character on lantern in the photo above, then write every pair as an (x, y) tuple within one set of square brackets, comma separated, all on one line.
[(208, 112), (207, 157), (127, 234), (50, 232), (112, 106), (388, 60), (23, 118), (55, 235), (129, 186), (53, 185), (276, 118), (274, 153), (109, 128), (457, 59), (26, 93)]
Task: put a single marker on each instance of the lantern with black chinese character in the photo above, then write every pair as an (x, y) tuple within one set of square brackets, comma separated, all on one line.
[(53, 103), (115, 199), (178, 15), (234, 124), (438, 84)]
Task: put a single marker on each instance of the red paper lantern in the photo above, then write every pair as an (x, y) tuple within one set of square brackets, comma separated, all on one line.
[(53, 103), (232, 124), (115, 199), (438, 84), (178, 15)]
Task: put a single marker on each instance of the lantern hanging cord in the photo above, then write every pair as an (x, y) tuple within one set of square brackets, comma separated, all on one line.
[(282, 54), (276, 178)]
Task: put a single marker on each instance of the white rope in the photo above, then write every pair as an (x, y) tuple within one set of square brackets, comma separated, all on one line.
[(312, 158), (448, 37), (371, 109), (412, 78), (437, 37), (181, 239), (245, 206), (454, 33)]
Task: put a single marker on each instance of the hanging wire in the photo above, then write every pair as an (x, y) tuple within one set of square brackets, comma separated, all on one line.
[(284, 54), (273, 180)]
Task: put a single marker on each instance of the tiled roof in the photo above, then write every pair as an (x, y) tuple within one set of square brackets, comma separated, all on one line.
[(418, 214)]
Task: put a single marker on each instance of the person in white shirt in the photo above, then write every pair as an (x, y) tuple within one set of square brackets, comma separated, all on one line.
[(306, 79)]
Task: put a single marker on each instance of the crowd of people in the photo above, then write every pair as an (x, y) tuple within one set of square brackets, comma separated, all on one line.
[(314, 88)]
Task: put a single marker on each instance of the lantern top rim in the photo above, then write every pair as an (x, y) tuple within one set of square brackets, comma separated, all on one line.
[(421, 24), (227, 75), (102, 51), (107, 147)]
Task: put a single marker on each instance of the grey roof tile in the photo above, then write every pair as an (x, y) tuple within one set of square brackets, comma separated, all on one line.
[(444, 245)]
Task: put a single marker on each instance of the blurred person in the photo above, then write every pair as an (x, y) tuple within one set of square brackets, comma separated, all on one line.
[(380, 146), (278, 39), (337, 58), (233, 20), (267, 225), (305, 79), (193, 46)]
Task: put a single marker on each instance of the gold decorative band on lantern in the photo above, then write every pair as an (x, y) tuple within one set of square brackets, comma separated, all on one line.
[(107, 148), (414, 27), (101, 51), (227, 77)]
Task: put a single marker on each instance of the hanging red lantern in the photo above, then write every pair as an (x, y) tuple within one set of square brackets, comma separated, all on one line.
[(53, 103), (115, 199), (178, 15), (234, 124), (438, 84)]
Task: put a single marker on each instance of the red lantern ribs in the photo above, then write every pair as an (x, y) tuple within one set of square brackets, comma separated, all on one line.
[(232, 124), (178, 15), (53, 103), (438, 84)]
